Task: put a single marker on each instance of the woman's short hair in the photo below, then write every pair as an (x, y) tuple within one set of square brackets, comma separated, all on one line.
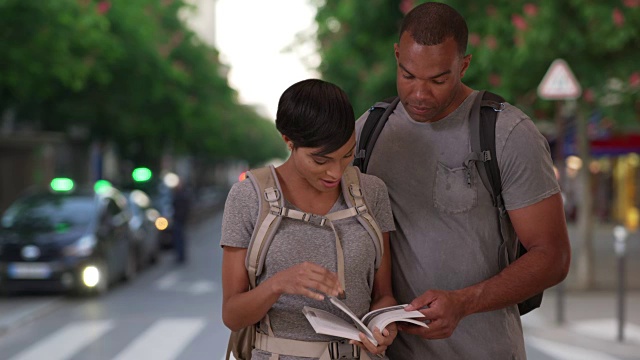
[(316, 114), (432, 23)]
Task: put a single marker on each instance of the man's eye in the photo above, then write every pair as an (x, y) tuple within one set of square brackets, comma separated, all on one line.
[(438, 82)]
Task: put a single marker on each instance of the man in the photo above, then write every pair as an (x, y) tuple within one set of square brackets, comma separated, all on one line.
[(446, 250)]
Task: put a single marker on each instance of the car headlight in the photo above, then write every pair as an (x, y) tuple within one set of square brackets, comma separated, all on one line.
[(83, 247)]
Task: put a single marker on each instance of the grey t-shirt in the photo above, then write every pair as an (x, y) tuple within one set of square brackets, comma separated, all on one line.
[(296, 241), (447, 234)]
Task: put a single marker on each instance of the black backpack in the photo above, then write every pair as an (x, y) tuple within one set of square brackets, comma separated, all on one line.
[(482, 126)]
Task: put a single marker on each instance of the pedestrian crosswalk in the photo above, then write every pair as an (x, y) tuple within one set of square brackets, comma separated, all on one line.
[(170, 339), (64, 343), (164, 339)]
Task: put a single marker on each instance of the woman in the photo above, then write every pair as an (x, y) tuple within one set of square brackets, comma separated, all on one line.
[(316, 121)]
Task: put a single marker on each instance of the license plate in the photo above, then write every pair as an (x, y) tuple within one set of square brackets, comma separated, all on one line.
[(29, 270)]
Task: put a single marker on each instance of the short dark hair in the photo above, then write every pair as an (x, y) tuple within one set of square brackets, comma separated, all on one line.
[(316, 114), (432, 23)]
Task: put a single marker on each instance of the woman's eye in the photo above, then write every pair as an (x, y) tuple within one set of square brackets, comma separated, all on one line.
[(320, 162)]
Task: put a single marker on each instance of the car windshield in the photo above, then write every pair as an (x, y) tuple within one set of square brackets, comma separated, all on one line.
[(49, 212)]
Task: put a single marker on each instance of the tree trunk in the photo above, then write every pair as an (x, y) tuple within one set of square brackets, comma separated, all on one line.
[(585, 267)]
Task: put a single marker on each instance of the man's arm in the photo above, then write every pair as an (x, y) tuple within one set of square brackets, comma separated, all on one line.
[(542, 229)]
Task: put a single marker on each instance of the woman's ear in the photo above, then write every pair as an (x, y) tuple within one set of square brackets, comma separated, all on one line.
[(288, 141)]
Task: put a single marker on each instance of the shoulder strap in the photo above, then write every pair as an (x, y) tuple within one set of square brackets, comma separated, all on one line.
[(377, 118), (354, 197), (270, 198), (482, 128)]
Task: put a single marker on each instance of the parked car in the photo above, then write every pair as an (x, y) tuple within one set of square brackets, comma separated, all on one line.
[(66, 238), (146, 235)]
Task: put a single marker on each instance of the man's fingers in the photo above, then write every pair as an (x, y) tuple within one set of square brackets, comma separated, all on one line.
[(421, 301)]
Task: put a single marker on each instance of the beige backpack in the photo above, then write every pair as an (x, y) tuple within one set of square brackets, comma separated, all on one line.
[(271, 212)]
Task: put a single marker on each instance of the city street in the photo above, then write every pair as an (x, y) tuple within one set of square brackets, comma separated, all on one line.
[(173, 312)]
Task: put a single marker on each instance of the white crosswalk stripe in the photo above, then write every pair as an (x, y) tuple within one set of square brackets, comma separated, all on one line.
[(67, 341), (163, 341)]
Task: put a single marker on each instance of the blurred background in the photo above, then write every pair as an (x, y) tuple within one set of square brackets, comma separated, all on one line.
[(122, 122)]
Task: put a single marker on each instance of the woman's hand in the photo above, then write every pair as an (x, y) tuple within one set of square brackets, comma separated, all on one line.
[(384, 339), (306, 279)]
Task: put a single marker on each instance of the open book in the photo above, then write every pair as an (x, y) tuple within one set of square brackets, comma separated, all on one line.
[(326, 323)]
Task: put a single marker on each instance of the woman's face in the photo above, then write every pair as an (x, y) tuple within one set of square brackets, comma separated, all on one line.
[(323, 172)]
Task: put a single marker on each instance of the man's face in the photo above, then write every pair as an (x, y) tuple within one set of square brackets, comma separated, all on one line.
[(323, 172), (429, 78)]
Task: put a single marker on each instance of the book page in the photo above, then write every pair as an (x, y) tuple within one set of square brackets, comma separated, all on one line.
[(357, 322), (385, 318), (326, 323), (367, 317)]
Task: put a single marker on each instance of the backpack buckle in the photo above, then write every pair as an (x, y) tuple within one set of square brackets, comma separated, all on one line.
[(271, 194), (278, 211), (343, 350), (355, 191), (361, 209), (314, 219)]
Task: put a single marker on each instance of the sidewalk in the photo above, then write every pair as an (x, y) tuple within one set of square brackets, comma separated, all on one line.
[(590, 318), (590, 323)]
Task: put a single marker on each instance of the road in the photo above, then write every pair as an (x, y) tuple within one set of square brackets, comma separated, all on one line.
[(173, 312)]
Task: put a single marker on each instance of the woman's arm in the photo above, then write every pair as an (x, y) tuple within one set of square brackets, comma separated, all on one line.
[(382, 296), (242, 307), (382, 293)]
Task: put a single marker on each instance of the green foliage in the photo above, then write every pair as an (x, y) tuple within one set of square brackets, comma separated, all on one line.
[(512, 43), (131, 72)]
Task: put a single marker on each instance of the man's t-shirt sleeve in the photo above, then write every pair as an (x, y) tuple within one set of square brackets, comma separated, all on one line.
[(526, 167)]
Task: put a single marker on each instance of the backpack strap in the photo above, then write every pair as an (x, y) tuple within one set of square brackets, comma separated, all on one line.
[(377, 118), (483, 144), (270, 214), (270, 200), (482, 128), (357, 206)]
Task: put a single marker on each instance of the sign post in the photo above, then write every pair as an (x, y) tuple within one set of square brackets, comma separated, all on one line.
[(559, 83)]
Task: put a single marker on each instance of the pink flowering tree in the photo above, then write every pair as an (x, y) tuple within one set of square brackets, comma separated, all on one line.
[(512, 43)]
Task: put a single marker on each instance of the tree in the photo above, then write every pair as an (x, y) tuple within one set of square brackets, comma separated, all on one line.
[(130, 72), (512, 44)]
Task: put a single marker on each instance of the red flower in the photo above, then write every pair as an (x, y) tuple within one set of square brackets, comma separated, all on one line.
[(631, 3), (519, 22), (634, 79), (474, 39), (618, 17), (406, 6), (532, 9), (103, 7)]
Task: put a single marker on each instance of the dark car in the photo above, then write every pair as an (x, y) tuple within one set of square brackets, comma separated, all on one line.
[(146, 235), (66, 238)]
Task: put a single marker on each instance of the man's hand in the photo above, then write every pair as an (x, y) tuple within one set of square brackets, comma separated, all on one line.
[(443, 310)]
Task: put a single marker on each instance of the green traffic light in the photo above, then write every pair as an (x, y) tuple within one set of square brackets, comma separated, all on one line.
[(141, 174), (101, 185), (61, 184)]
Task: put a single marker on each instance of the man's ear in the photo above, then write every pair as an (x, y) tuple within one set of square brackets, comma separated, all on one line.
[(466, 60)]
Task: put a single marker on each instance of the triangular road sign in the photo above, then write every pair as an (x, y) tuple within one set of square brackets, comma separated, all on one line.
[(559, 83)]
